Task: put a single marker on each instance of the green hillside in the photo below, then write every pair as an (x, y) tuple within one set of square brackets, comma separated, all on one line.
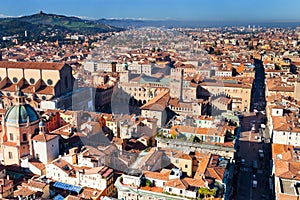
[(49, 23)]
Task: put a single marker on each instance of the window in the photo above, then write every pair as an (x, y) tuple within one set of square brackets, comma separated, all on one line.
[(43, 97), (11, 136), (32, 81), (10, 155), (24, 137), (15, 79), (170, 189), (180, 191), (50, 82), (186, 166)]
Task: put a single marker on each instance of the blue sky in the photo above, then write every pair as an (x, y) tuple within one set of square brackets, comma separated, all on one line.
[(200, 10)]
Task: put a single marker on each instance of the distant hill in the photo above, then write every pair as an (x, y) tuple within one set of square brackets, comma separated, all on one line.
[(35, 24)]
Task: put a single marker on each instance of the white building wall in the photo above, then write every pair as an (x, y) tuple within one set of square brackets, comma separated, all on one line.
[(286, 138), (34, 170), (52, 149), (131, 180), (277, 112), (40, 151)]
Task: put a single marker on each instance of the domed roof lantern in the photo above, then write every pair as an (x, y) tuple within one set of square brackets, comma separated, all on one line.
[(42, 128), (20, 112), (20, 97), (42, 123)]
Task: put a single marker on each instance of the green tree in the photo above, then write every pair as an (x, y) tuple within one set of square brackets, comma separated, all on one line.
[(149, 183), (173, 135), (206, 192)]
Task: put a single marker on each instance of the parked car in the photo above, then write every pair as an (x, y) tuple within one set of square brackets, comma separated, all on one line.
[(261, 153), (254, 166), (243, 161), (254, 184)]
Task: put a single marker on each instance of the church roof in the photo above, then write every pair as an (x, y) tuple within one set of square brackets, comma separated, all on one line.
[(19, 114)]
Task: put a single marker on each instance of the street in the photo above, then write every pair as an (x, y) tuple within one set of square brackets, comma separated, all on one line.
[(252, 139)]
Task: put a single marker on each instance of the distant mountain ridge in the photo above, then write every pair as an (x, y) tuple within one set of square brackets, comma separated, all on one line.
[(37, 23)]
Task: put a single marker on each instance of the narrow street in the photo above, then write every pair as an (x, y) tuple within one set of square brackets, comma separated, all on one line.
[(253, 166)]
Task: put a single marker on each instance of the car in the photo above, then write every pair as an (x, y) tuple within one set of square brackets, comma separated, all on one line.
[(253, 128), (254, 166), (243, 161), (261, 153), (254, 184)]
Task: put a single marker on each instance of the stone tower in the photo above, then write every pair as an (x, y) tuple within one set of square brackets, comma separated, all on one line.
[(176, 83)]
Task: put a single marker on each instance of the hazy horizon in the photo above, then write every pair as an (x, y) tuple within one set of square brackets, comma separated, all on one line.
[(201, 11)]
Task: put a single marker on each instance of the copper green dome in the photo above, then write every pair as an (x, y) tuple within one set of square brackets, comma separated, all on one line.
[(18, 114)]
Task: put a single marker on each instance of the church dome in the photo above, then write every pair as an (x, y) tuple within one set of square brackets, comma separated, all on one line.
[(21, 112), (18, 114)]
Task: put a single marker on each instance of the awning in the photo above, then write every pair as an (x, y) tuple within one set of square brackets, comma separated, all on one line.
[(66, 186)]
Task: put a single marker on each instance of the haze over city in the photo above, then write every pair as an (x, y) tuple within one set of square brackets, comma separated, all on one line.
[(217, 10)]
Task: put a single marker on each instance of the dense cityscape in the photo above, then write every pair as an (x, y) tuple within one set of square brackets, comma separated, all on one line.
[(129, 111)]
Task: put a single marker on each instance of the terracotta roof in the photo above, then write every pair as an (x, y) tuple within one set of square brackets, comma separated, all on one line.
[(44, 137), (37, 164), (72, 197), (36, 184), (215, 172), (89, 193), (194, 182), (32, 65), (162, 175), (103, 171), (177, 183), (63, 165), (152, 189), (13, 144), (24, 192), (159, 102), (46, 90)]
